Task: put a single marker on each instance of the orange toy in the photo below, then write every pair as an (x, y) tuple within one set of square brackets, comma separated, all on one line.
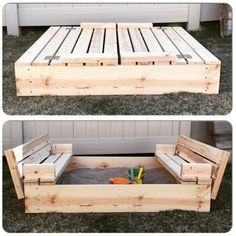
[(119, 180)]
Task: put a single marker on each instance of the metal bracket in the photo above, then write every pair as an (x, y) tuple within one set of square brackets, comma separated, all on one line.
[(187, 56), (52, 58)]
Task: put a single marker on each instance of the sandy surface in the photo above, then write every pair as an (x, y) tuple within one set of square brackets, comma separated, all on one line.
[(101, 176)]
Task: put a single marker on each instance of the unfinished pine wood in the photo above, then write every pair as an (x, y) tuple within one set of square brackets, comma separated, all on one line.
[(128, 79), (209, 152), (62, 148), (111, 47), (167, 44), (116, 198), (165, 148), (49, 51), (77, 162), (67, 46), (186, 51), (149, 49), (28, 57), (96, 25), (198, 170), (192, 157), (206, 55), (61, 164), (15, 174)]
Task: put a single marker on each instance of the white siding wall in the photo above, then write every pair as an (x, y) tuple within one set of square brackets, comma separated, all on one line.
[(39, 14), (99, 137)]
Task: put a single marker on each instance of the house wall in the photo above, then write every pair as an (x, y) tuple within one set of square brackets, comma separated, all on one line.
[(98, 137), (44, 14)]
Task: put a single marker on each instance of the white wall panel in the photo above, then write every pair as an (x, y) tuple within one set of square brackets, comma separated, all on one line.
[(98, 137)]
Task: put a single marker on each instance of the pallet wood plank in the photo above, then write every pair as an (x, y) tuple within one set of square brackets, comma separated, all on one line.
[(206, 55), (167, 45), (28, 57), (198, 170), (170, 164), (186, 51), (148, 79), (83, 41), (38, 156), (61, 148), (33, 173), (92, 25), (110, 47), (67, 46), (125, 45), (15, 174), (51, 48), (52, 158), (61, 164), (211, 153), (119, 198), (220, 173), (192, 157)]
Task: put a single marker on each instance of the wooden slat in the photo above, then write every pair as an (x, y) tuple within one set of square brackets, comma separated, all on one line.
[(15, 174), (207, 56), (196, 170), (170, 164), (33, 145), (176, 158), (91, 25), (34, 173), (209, 152), (220, 173), (125, 44), (83, 41), (152, 44), (142, 57), (134, 25), (62, 163), (166, 44), (28, 57), (51, 48), (61, 148), (38, 156), (67, 46), (111, 162), (137, 40), (192, 157), (52, 158), (91, 59), (149, 79), (186, 51), (111, 46), (119, 198)]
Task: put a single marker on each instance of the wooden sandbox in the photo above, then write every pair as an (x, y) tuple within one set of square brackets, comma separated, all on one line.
[(115, 59), (197, 170)]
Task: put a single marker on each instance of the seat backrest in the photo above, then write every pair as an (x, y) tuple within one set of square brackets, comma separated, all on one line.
[(31, 152), (197, 152)]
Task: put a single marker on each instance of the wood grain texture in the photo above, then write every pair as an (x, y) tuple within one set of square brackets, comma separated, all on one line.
[(116, 198)]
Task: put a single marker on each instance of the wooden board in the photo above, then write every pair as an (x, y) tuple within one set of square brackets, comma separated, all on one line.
[(116, 46), (116, 198), (148, 79)]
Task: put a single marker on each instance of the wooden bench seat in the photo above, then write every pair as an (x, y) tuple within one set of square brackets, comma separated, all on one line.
[(190, 161), (37, 161)]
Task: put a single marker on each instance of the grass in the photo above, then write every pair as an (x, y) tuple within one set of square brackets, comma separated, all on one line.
[(168, 104), (219, 219)]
